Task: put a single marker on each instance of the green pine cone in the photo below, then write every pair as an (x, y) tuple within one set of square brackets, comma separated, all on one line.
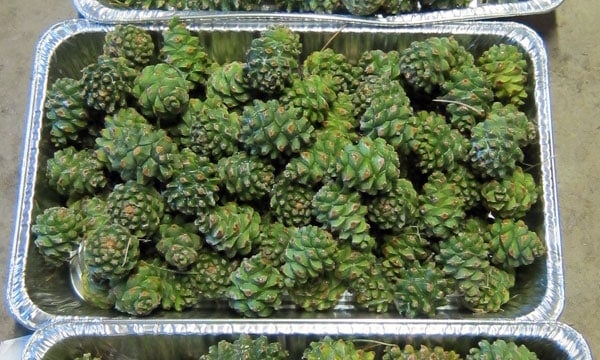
[(511, 197), (183, 50), (270, 129), (58, 232), (248, 177), (352, 264), (246, 348), (75, 173), (365, 92), (194, 187), (522, 128), (227, 84), (108, 83), (209, 129), (291, 202), (142, 293), (464, 257), (387, 115), (495, 148), (373, 291), (424, 352), (66, 111), (313, 95), (467, 185), (125, 117), (256, 288), (330, 349), (137, 152), (468, 95), (395, 7), (500, 350), (493, 292), (506, 68), (138, 208), (328, 62), (232, 229), (394, 210), (421, 289), (426, 64), (441, 208), (322, 293), (272, 59), (110, 252), (179, 244), (99, 294), (210, 275), (362, 8), (401, 250), (370, 166), (272, 242), (436, 145), (161, 91), (380, 63), (312, 6), (341, 212), (309, 254), (130, 42), (512, 244), (94, 212), (340, 118), (316, 164)]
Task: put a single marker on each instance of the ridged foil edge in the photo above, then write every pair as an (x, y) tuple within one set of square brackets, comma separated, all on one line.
[(564, 337), (98, 11), (26, 312)]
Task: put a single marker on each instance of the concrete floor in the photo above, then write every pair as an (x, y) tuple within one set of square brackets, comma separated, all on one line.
[(571, 34)]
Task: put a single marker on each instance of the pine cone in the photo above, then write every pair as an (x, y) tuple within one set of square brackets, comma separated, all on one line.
[(231, 228), (255, 288), (130, 42), (137, 207), (66, 111), (57, 233)]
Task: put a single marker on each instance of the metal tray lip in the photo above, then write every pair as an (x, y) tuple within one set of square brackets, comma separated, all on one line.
[(26, 312), (570, 340), (97, 11)]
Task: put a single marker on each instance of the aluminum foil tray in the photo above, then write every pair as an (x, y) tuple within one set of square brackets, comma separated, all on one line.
[(38, 293), (102, 11), (189, 340)]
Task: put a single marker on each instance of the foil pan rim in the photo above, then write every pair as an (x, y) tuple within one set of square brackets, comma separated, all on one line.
[(97, 11), (568, 339), (26, 312)]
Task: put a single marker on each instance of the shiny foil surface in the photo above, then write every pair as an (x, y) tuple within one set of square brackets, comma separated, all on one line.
[(150, 340), (38, 293), (102, 11)]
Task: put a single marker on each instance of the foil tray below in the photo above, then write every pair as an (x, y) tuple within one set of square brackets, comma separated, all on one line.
[(188, 340), (39, 293), (102, 11)]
